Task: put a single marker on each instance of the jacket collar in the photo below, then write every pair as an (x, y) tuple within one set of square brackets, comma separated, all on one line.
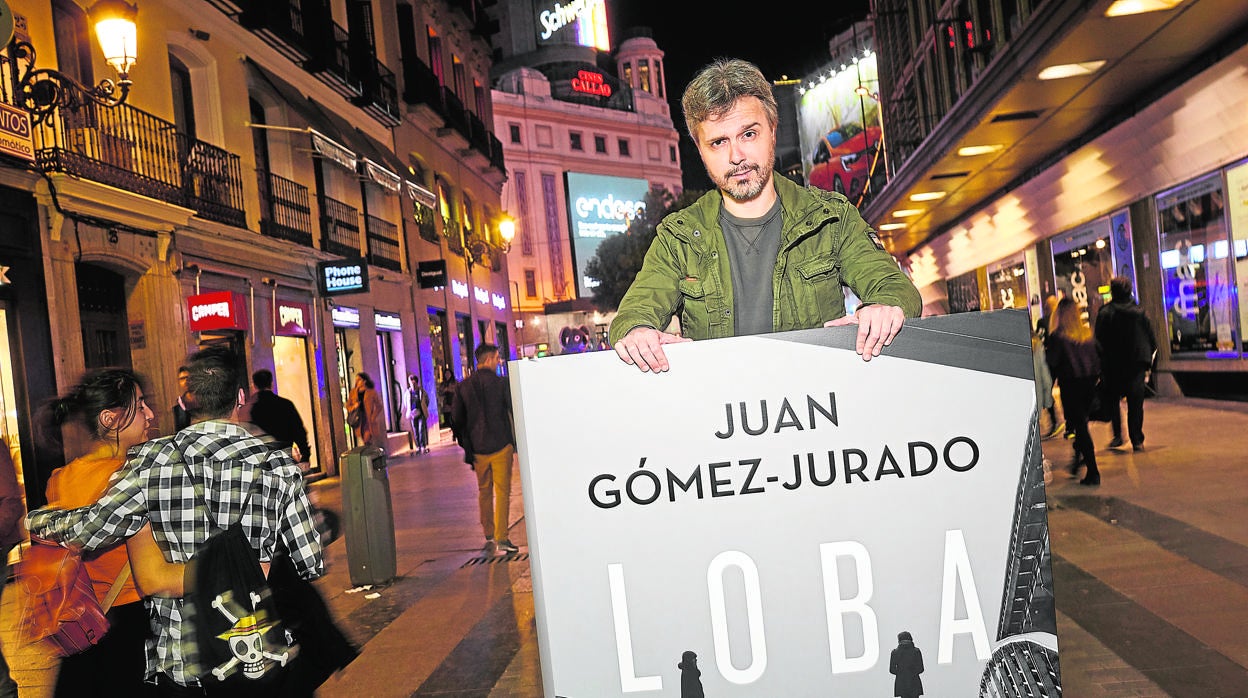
[(804, 210)]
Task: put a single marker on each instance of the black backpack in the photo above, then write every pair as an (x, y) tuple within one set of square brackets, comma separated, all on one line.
[(244, 647)]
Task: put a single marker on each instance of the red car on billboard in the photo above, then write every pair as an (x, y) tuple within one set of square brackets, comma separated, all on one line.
[(842, 160)]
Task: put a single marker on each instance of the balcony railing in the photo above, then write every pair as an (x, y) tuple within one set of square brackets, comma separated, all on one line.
[(496, 154), (450, 231), (383, 243), (420, 85), (279, 23), (340, 228), (424, 220), (455, 113), (285, 209), (139, 152), (381, 91), (331, 61)]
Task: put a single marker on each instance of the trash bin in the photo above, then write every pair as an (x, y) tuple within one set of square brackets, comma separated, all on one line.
[(369, 516)]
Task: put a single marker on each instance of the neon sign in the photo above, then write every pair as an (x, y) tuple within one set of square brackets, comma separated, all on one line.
[(588, 16), (591, 83)]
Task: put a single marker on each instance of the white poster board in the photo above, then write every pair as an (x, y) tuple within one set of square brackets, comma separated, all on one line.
[(784, 510)]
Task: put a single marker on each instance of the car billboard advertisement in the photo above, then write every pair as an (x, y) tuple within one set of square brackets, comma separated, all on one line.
[(840, 128), (599, 206)]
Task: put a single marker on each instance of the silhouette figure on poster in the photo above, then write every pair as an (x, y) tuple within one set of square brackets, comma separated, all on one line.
[(690, 676), (906, 663)]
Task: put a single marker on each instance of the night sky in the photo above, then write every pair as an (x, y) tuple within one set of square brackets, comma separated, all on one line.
[(774, 37)]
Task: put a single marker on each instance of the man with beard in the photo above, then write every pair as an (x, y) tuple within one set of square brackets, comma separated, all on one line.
[(760, 253)]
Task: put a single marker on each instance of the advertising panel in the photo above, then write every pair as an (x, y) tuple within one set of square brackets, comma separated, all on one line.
[(579, 22), (775, 534), (217, 310), (599, 206), (342, 276), (841, 129)]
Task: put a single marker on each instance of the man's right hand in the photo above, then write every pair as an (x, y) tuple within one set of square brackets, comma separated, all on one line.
[(643, 347)]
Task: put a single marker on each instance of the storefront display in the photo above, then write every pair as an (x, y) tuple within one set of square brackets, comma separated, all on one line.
[(1198, 285), (1237, 210), (1083, 265), (1007, 283)]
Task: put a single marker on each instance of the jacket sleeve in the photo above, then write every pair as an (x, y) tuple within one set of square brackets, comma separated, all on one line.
[(872, 272), (298, 524), (654, 296), (118, 514)]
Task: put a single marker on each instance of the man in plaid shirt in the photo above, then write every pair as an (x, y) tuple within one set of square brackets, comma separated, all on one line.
[(213, 463)]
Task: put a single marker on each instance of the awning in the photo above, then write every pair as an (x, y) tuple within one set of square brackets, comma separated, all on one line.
[(336, 139), (421, 195), (381, 176), (331, 149)]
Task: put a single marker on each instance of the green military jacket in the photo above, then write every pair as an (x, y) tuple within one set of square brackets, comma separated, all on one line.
[(824, 243)]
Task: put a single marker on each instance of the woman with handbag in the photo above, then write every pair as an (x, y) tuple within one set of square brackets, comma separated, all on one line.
[(1073, 361), (370, 420), (110, 405)]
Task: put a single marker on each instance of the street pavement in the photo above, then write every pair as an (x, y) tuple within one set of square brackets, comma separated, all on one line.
[(1150, 573)]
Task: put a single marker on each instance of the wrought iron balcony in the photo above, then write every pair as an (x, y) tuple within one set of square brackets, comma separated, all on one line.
[(450, 231), (331, 60), (423, 217), (279, 22), (139, 152), (285, 209), (340, 228), (380, 96), (383, 243), (455, 113), (496, 154)]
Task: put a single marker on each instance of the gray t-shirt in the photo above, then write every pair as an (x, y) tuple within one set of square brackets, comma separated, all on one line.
[(753, 244)]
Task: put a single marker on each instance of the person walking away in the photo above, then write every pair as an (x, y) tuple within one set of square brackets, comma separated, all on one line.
[(446, 403), (1075, 365), (189, 486), (182, 406), (482, 409), (906, 663), (1127, 343), (371, 428), (109, 404), (11, 533), (759, 253), (277, 416), (418, 413)]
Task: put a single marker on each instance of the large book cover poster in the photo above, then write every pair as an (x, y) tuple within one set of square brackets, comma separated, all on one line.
[(776, 517)]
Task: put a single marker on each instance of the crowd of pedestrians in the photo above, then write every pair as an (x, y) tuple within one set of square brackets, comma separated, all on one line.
[(1094, 368)]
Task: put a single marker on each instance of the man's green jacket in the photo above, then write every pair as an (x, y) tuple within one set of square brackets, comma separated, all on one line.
[(824, 243)]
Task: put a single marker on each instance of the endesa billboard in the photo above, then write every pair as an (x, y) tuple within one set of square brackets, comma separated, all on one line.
[(599, 206), (217, 310)]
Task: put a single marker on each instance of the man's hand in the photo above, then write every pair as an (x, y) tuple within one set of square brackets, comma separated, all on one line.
[(877, 326), (643, 347)]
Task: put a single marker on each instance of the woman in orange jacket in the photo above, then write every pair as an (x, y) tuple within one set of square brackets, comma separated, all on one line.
[(110, 405)]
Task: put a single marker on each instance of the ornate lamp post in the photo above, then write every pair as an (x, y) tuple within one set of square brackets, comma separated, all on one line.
[(42, 91)]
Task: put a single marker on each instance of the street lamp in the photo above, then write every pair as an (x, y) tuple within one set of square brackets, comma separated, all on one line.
[(42, 91)]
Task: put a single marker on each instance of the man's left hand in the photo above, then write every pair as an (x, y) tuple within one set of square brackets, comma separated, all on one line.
[(877, 326)]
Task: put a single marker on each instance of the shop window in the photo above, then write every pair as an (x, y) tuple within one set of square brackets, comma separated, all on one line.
[(1198, 287), (1083, 265)]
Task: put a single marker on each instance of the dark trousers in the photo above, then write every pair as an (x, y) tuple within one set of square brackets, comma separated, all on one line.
[(1132, 388), (1076, 400), (116, 661)]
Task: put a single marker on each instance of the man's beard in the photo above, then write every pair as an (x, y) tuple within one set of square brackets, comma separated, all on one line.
[(744, 190)]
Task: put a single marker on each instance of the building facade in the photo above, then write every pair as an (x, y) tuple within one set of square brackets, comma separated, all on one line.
[(583, 143), (271, 184), (1043, 148)]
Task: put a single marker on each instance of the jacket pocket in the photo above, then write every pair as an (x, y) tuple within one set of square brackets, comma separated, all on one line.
[(695, 315), (817, 291)]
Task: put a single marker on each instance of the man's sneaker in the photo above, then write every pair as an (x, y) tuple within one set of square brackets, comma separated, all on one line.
[(506, 546), (1117, 442), (1137, 447)]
